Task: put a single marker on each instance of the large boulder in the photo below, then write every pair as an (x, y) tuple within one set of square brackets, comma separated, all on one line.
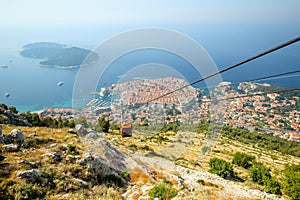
[(81, 130), (102, 160), (31, 176), (17, 136)]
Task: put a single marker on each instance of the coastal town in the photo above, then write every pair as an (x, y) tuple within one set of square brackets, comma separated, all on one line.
[(144, 102)]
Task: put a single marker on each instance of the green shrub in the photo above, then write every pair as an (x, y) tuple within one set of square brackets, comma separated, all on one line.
[(132, 147), (114, 127), (171, 127), (221, 167), (272, 186), (13, 109), (72, 148), (126, 174), (146, 148), (37, 141), (24, 191), (260, 173), (200, 181), (242, 159), (104, 124), (202, 128), (5, 192), (291, 184), (163, 191), (113, 180)]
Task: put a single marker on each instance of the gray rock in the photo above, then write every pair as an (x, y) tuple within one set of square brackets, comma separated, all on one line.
[(32, 176), (55, 157), (7, 139), (1, 137), (17, 136), (81, 130), (92, 135), (53, 145), (11, 148), (97, 167), (102, 160), (33, 165)]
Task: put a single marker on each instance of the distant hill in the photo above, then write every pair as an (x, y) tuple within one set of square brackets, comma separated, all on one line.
[(58, 55)]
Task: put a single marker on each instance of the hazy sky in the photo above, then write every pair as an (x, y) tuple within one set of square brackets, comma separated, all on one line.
[(63, 12)]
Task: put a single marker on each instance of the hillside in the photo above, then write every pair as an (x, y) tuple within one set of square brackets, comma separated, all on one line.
[(82, 164)]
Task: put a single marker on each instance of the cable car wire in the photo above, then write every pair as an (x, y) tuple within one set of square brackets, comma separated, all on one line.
[(285, 44)]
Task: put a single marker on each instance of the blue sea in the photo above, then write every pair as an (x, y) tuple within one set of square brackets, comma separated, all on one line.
[(33, 87)]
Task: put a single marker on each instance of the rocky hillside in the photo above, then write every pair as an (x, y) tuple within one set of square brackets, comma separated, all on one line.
[(11, 116), (44, 163)]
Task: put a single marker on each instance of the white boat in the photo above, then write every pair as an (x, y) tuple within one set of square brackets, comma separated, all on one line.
[(7, 94), (60, 83), (4, 66)]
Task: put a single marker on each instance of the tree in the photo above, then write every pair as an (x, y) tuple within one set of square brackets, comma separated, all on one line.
[(163, 191), (273, 186), (13, 109), (291, 184), (203, 127), (242, 159), (82, 120), (260, 173), (104, 124), (221, 167), (173, 126), (71, 123)]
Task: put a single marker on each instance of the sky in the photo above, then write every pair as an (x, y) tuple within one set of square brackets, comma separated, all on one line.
[(76, 12)]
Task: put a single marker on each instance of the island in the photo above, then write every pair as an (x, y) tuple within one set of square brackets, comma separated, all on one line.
[(58, 55)]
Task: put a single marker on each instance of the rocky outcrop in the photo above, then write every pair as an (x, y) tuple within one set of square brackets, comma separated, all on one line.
[(31, 176), (32, 165), (102, 160), (14, 137), (8, 117), (81, 130)]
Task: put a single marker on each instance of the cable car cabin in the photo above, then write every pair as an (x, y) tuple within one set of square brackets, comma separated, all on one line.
[(126, 130)]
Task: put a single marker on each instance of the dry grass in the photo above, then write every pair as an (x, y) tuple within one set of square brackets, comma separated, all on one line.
[(138, 176), (99, 192), (183, 148)]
